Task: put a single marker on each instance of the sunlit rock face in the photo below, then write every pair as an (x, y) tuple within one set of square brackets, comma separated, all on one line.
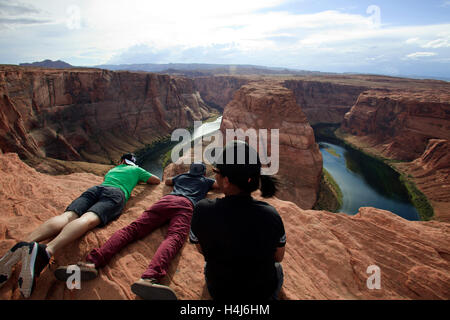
[(328, 255)]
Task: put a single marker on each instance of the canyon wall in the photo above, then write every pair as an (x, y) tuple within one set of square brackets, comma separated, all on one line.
[(413, 128), (324, 102), (217, 91), (400, 122), (269, 105), (327, 254), (91, 114)]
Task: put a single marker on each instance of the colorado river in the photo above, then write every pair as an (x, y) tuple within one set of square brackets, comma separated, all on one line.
[(366, 182), (153, 162)]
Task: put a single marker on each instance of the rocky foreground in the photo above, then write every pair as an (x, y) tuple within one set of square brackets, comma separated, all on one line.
[(327, 254)]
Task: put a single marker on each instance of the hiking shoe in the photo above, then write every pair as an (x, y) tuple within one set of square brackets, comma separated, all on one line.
[(86, 271), (149, 289), (9, 260), (34, 260)]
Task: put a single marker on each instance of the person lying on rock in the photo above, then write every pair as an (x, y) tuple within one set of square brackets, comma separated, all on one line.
[(175, 208), (96, 207), (242, 239)]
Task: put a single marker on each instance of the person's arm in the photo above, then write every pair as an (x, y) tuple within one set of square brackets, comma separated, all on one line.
[(279, 254), (153, 180)]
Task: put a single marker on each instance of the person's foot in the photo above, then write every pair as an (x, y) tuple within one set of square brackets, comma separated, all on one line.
[(9, 260), (149, 289), (87, 271), (34, 260)]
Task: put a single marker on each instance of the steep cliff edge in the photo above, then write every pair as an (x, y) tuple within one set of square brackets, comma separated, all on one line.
[(269, 105), (327, 254), (91, 114)]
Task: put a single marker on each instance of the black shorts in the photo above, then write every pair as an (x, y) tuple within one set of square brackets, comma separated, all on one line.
[(106, 202)]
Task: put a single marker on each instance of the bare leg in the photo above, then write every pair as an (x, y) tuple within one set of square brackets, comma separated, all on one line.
[(73, 231), (51, 227)]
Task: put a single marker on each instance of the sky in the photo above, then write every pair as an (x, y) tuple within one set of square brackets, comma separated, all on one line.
[(395, 37)]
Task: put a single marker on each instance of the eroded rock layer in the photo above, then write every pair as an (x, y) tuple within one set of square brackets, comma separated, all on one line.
[(324, 102), (400, 123), (91, 114), (410, 126), (218, 91), (327, 254)]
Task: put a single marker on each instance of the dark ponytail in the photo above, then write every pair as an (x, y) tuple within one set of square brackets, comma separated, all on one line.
[(269, 186)]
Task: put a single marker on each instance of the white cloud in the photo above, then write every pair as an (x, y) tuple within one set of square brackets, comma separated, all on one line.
[(438, 43), (412, 40), (418, 55), (14, 14), (235, 31)]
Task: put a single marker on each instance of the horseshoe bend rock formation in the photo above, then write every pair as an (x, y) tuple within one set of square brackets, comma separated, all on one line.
[(91, 114), (327, 254), (269, 105)]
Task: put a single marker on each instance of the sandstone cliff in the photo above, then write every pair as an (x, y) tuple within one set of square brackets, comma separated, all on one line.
[(400, 123), (411, 126), (217, 91), (327, 254), (431, 174), (91, 114), (324, 102), (269, 105)]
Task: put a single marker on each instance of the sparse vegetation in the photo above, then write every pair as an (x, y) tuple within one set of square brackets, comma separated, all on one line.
[(330, 195), (332, 152), (418, 199)]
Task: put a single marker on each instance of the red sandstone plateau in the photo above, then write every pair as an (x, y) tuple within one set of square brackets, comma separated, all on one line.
[(327, 254), (268, 105)]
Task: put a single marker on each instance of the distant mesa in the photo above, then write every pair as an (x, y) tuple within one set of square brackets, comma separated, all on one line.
[(204, 69), (48, 64)]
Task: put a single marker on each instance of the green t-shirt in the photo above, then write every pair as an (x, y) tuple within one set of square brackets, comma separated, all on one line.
[(125, 177)]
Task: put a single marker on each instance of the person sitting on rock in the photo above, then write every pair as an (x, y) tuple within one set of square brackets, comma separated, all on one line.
[(242, 239), (96, 207), (175, 208)]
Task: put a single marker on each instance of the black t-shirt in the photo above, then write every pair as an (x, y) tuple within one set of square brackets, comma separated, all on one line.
[(192, 187), (239, 236)]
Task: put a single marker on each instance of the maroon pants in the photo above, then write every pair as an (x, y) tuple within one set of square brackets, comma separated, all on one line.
[(175, 209)]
